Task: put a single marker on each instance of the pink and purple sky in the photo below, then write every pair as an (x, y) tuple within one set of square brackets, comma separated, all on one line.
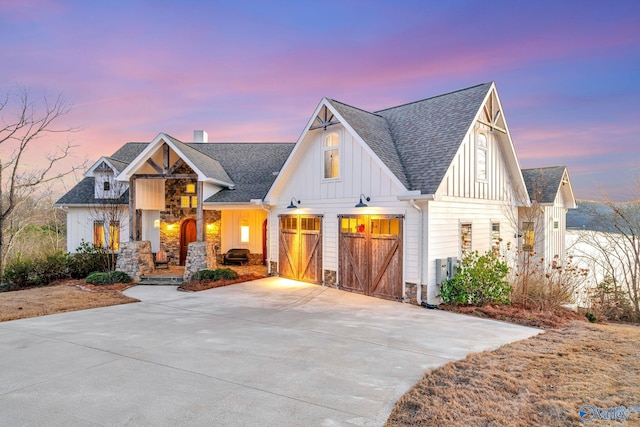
[(568, 72)]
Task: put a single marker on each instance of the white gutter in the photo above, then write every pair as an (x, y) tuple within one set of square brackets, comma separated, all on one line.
[(420, 250)]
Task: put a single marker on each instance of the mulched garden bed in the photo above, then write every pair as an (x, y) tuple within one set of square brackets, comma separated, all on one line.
[(515, 313), (202, 285)]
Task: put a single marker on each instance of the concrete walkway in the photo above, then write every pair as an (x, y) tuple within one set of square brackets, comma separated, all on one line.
[(273, 352)]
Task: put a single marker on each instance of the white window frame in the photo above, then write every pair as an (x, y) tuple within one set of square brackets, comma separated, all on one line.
[(495, 242), (482, 152), (326, 148), (463, 225)]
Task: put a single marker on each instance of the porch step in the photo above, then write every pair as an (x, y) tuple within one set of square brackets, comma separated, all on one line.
[(160, 281)]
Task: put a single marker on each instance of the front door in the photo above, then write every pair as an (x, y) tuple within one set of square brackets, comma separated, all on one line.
[(300, 247), (371, 255), (188, 232)]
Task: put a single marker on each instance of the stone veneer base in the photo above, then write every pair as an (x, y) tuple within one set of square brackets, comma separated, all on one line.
[(200, 256), (135, 259)]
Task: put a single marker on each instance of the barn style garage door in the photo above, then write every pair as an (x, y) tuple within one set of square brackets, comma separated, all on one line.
[(300, 251), (371, 255)]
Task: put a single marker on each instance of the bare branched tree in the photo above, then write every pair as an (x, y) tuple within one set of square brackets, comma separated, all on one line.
[(614, 250), (109, 213), (25, 124)]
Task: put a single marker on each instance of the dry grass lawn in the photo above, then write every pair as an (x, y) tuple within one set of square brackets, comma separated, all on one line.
[(541, 381), (68, 296)]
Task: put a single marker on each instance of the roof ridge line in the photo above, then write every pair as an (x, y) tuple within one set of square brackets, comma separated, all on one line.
[(356, 108), (432, 97)]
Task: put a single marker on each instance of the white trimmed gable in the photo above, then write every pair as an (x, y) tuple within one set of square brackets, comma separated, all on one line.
[(360, 170), (485, 165)]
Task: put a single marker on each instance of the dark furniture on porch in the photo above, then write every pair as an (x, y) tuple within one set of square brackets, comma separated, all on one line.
[(236, 256), (161, 258)]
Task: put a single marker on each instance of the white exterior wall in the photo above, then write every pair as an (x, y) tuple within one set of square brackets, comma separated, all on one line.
[(230, 233), (360, 173), (149, 232), (444, 240), (554, 240), (150, 194), (460, 180), (463, 198), (80, 227)]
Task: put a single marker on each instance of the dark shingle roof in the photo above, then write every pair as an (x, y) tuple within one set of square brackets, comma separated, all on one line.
[(83, 194), (128, 152), (206, 164), (428, 133), (374, 130), (543, 183), (251, 166)]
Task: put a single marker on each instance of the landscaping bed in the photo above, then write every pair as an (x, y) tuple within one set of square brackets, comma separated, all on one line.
[(70, 295), (202, 285), (556, 318)]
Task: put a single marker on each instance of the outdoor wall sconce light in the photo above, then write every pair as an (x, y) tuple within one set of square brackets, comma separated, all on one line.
[(156, 223), (293, 203), (362, 204)]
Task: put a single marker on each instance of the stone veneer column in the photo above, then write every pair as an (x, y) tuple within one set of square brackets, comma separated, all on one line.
[(200, 256), (135, 259)]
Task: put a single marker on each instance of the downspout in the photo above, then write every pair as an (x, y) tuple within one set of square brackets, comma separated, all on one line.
[(268, 210), (420, 251)]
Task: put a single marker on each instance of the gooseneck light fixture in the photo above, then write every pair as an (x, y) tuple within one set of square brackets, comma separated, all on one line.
[(362, 204), (293, 203)]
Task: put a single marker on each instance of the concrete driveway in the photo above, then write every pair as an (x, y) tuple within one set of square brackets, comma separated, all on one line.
[(273, 352)]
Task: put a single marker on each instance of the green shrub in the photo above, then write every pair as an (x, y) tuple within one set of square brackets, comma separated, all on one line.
[(87, 259), (591, 317), (52, 266), (19, 273), (217, 274), (108, 278), (480, 279)]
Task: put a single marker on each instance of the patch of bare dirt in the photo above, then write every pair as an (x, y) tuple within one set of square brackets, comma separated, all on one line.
[(515, 313), (544, 380), (71, 295), (203, 285)]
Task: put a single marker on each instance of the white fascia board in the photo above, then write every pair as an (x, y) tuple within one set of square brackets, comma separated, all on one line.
[(284, 170), (512, 159), (419, 197), (137, 163), (90, 171)]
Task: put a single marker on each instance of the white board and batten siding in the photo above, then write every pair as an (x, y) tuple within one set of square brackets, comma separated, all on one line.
[(360, 173), (80, 227), (464, 199)]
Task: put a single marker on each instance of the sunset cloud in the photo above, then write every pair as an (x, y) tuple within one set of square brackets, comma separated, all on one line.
[(254, 71)]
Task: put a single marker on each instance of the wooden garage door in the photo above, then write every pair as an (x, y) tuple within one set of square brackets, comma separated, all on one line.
[(371, 255), (300, 251)]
